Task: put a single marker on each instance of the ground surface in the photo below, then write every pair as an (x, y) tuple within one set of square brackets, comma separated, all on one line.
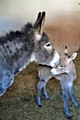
[(19, 102)]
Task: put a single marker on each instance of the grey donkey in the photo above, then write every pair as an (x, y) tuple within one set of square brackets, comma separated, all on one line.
[(66, 73), (19, 48)]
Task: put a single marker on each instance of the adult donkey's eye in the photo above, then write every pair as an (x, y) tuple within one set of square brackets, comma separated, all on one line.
[(48, 44), (48, 47)]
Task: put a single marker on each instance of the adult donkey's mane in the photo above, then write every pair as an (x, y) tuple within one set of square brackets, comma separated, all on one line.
[(14, 43), (12, 35)]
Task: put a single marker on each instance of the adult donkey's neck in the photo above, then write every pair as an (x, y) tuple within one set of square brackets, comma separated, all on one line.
[(16, 48)]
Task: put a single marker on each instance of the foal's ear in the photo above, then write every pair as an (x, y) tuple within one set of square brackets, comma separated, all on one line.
[(66, 51), (39, 24), (73, 56)]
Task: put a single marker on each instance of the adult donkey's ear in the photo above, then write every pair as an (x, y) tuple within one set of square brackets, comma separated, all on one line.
[(37, 20), (40, 22)]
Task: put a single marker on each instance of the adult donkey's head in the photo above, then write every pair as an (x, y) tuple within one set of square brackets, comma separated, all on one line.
[(44, 53)]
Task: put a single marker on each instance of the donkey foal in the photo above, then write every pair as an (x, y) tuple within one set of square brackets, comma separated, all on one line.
[(66, 73)]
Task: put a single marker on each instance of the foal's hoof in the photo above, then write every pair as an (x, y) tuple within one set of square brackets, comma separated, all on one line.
[(69, 117), (76, 104), (48, 97), (39, 105)]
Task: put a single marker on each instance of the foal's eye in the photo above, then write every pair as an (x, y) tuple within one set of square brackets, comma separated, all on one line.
[(61, 66)]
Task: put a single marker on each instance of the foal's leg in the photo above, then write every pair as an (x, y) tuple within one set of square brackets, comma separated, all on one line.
[(71, 92), (45, 92), (40, 85), (65, 100)]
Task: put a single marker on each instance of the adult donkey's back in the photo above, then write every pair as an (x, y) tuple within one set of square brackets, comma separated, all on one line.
[(18, 49)]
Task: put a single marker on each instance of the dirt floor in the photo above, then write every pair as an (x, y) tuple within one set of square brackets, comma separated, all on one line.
[(19, 102)]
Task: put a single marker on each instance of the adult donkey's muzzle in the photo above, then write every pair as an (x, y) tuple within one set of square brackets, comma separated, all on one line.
[(56, 60)]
